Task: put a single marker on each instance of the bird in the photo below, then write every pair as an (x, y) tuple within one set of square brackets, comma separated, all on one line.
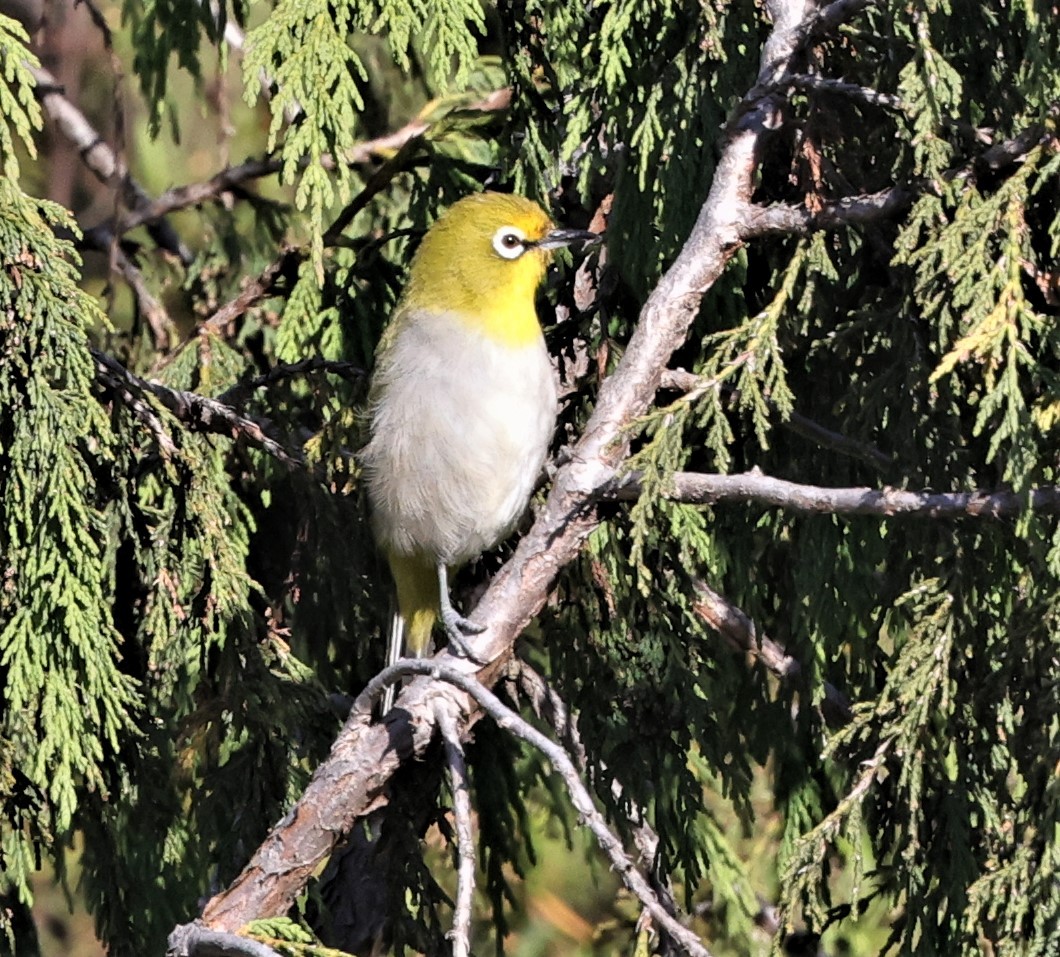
[(462, 406)]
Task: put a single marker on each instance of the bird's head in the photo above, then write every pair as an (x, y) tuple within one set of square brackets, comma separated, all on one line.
[(483, 261)]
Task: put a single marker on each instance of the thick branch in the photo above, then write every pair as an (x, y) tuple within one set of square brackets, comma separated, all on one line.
[(519, 591), (351, 780)]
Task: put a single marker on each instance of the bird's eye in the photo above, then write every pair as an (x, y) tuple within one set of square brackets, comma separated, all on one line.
[(509, 242)]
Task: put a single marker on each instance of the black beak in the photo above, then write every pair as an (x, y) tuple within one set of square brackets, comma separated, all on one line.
[(557, 238)]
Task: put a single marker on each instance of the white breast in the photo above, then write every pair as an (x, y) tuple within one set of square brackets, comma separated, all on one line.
[(460, 430)]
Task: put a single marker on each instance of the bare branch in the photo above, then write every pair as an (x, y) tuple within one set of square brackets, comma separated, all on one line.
[(742, 633), (254, 291), (561, 763), (228, 180), (824, 84), (129, 390), (350, 781), (786, 219), (197, 940), (550, 707), (263, 285), (241, 391), (789, 219), (194, 194), (198, 412), (104, 163), (522, 586), (795, 24), (154, 313), (702, 489), (465, 841)]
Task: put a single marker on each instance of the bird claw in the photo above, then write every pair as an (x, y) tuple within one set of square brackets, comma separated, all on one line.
[(457, 627)]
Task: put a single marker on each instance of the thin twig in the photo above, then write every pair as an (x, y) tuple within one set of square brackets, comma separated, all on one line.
[(263, 285), (200, 413), (154, 313), (794, 26), (197, 940), (195, 194), (837, 441), (241, 391), (561, 763), (232, 178), (680, 380), (789, 219), (255, 290), (741, 632), (549, 706), (460, 935), (747, 487), (128, 388), (824, 84)]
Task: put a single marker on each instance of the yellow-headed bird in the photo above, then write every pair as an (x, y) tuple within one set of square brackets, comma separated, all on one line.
[(463, 404)]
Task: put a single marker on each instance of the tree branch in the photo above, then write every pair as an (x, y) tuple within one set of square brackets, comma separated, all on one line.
[(824, 84), (200, 413), (550, 707), (196, 940), (742, 633), (465, 840), (351, 780), (788, 219), (263, 285), (104, 163), (241, 391), (232, 178), (561, 763), (701, 489), (154, 313)]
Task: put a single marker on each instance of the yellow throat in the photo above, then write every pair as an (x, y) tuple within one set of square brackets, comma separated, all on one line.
[(461, 267)]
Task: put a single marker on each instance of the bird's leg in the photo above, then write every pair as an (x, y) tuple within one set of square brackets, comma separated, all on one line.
[(457, 627)]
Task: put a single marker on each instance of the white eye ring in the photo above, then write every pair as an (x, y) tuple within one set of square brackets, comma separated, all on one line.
[(509, 242)]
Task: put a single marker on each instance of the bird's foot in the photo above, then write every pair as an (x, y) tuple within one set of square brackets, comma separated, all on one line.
[(457, 628)]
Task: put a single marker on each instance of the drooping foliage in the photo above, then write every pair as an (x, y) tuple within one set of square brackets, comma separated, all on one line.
[(181, 614)]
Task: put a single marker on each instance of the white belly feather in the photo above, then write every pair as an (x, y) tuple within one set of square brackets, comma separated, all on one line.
[(460, 430)]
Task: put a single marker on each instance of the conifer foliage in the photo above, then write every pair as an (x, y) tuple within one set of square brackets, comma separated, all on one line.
[(779, 643)]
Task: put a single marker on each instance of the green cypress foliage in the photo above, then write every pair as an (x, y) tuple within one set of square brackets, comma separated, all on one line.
[(181, 613)]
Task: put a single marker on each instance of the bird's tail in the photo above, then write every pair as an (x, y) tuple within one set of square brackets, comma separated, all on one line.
[(417, 610), (395, 644)]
